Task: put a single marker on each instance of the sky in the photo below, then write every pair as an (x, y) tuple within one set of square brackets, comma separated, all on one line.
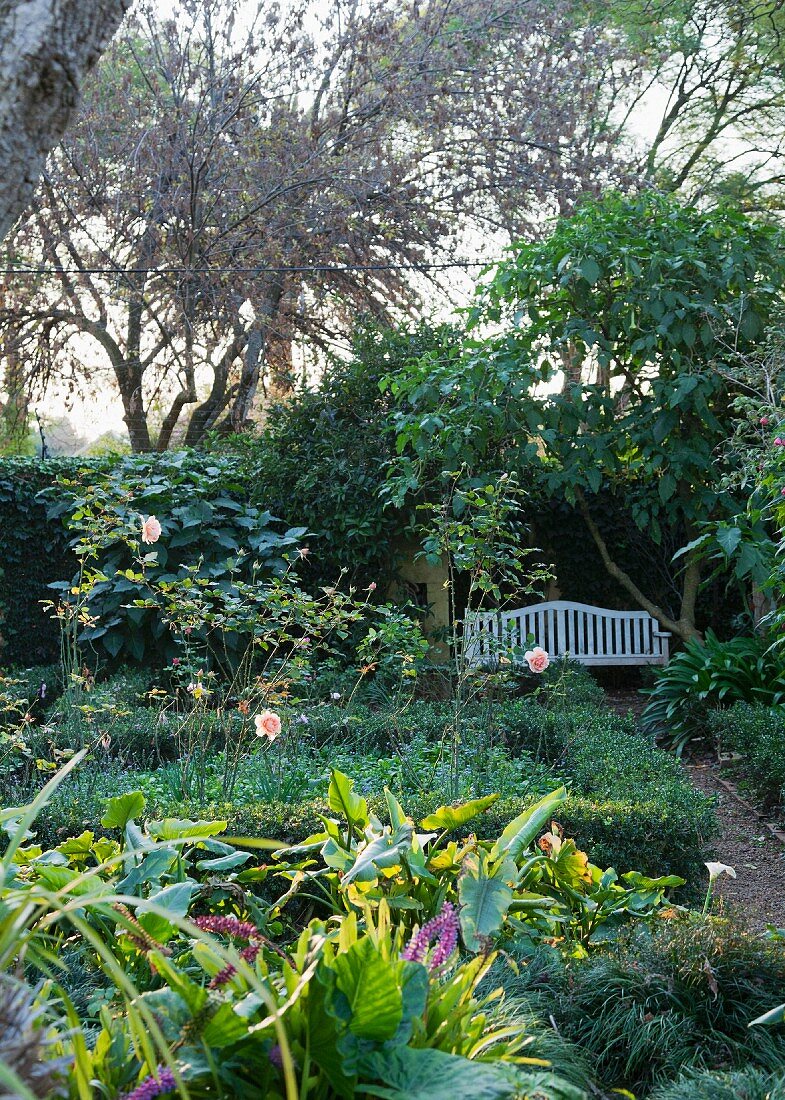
[(93, 414)]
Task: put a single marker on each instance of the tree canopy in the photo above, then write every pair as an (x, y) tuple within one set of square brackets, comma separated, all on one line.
[(608, 369), (230, 189)]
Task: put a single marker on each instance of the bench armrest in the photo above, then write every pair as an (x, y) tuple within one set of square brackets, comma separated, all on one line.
[(662, 633)]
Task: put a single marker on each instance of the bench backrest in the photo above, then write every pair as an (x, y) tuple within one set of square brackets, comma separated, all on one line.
[(591, 635)]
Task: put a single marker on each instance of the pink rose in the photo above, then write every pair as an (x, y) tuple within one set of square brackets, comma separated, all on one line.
[(372, 586), (151, 530), (778, 442), (764, 420), (537, 659), (175, 661), (268, 725)]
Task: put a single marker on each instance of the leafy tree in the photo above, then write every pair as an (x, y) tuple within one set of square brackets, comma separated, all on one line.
[(230, 189), (716, 93), (322, 456), (605, 372)]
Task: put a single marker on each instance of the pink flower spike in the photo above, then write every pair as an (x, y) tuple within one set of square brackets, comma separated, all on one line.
[(151, 530)]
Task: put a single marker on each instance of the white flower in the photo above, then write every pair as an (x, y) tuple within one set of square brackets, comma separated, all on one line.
[(717, 869), (335, 695)]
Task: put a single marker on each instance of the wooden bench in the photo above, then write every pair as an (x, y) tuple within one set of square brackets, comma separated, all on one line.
[(591, 635)]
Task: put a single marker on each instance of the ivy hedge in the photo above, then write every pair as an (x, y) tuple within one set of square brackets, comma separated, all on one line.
[(34, 552)]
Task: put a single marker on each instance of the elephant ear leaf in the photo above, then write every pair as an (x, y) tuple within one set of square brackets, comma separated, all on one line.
[(342, 800), (453, 817), (123, 808), (522, 832), (485, 900)]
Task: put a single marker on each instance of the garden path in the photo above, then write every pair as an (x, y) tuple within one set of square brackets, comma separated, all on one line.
[(746, 842)]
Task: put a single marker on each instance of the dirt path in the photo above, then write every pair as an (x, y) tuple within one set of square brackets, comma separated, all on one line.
[(745, 843)]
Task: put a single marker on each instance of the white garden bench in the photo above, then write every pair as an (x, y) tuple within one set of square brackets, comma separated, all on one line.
[(591, 635)]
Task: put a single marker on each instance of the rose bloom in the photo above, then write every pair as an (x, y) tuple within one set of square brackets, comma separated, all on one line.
[(537, 659), (268, 725), (151, 530)]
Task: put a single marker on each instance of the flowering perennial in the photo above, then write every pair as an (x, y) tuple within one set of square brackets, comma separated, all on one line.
[(154, 1086), (151, 530), (537, 659), (444, 930), (240, 929)]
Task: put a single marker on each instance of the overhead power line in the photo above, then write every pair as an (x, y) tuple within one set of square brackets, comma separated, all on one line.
[(283, 269)]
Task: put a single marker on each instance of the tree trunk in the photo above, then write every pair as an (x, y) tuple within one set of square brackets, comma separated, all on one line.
[(46, 47), (683, 627)]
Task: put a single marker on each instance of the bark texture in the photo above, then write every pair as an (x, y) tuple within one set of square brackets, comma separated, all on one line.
[(46, 47)]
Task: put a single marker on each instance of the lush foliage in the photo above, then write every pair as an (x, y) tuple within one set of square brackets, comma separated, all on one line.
[(626, 289), (548, 891), (757, 733), (707, 674), (680, 994), (164, 925), (210, 538), (629, 804), (323, 454), (34, 552)]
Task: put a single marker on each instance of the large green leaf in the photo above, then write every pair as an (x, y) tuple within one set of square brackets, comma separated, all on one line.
[(484, 900), (342, 799), (384, 851), (122, 809), (175, 828), (453, 817), (174, 899), (521, 832), (372, 988), (414, 1074)]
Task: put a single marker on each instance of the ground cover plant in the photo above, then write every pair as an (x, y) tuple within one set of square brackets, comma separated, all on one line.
[(675, 998), (219, 985)]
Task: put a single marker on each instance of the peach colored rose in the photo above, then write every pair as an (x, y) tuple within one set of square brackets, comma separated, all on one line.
[(151, 530), (268, 725), (537, 659)]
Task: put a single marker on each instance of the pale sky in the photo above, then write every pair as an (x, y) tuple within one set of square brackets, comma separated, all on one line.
[(99, 411)]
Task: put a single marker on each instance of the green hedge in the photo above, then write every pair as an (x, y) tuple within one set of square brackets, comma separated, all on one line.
[(34, 552), (630, 805), (758, 733), (647, 837)]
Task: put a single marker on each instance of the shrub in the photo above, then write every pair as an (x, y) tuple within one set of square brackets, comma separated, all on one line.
[(34, 552), (629, 803), (708, 674), (655, 838), (324, 455), (758, 733), (211, 536), (745, 1084), (678, 995)]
